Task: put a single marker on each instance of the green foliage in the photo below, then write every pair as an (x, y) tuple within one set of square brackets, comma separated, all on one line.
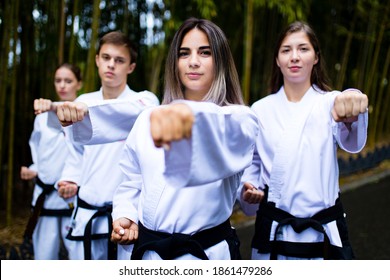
[(207, 8), (290, 9)]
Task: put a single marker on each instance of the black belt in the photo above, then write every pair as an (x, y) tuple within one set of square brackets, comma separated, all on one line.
[(300, 224), (171, 246), (37, 209), (47, 189), (88, 236), (316, 249)]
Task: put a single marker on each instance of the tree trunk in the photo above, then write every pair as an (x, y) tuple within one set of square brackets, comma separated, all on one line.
[(247, 55), (381, 110), (371, 85), (154, 64), (90, 76), (365, 57), (10, 171), (61, 33), (26, 82), (4, 81), (126, 17), (75, 13), (345, 57)]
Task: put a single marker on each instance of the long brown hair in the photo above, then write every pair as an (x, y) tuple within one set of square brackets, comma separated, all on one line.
[(318, 77)]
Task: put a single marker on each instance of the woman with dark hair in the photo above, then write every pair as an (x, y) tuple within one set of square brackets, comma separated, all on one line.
[(294, 173), (183, 160), (318, 75), (50, 218)]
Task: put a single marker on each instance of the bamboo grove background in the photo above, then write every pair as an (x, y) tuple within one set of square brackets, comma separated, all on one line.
[(38, 35)]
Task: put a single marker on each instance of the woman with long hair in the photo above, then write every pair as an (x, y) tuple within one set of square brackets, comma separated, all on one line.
[(294, 174)]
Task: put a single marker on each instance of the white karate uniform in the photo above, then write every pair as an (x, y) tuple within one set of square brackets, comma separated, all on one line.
[(49, 149), (296, 156), (99, 167), (193, 186)]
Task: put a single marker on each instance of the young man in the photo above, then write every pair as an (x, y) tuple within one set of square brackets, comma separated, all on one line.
[(94, 173), (50, 216)]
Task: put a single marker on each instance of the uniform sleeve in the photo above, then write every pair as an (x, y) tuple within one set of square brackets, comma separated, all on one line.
[(252, 176), (111, 120), (354, 140), (126, 196), (221, 145), (74, 162), (53, 122), (34, 144)]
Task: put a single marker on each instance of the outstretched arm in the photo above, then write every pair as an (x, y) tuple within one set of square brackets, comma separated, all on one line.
[(222, 138), (42, 105), (350, 111), (348, 105), (106, 121), (171, 123), (69, 113)]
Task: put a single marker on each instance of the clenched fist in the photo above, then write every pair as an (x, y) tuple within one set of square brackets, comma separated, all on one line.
[(348, 105), (71, 112), (171, 123), (251, 194), (124, 231), (42, 105), (67, 189)]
